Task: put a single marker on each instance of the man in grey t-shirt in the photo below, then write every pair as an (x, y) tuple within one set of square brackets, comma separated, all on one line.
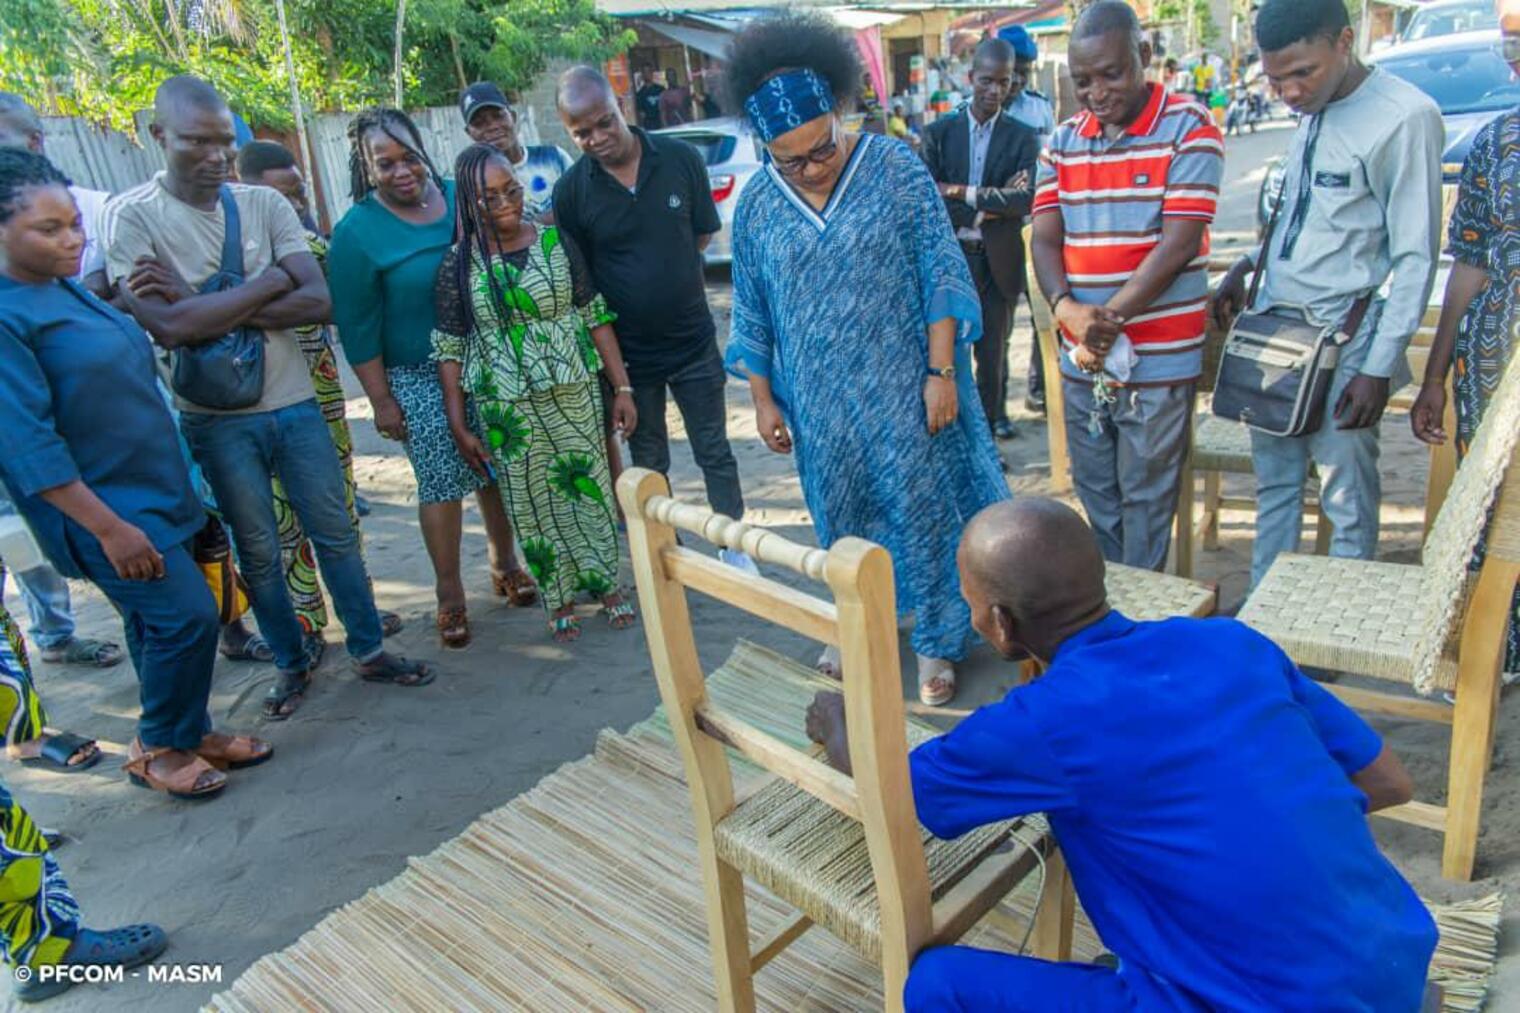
[(1360, 209), (164, 240)]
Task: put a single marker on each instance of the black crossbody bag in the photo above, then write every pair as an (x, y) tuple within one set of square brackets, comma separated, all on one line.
[(1277, 365), (226, 373)]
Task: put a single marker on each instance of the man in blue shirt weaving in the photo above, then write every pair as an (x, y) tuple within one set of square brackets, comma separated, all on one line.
[(1210, 801)]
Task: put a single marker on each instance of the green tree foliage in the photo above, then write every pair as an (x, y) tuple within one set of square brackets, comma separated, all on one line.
[(102, 59)]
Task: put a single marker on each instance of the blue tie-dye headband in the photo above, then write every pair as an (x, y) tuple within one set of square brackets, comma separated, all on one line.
[(786, 102)]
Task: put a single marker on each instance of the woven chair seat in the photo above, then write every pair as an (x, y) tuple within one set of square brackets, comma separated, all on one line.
[(814, 857), (1144, 595), (1220, 445), (1345, 615)]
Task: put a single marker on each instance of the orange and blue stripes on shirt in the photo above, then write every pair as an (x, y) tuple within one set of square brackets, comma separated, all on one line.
[(1113, 197)]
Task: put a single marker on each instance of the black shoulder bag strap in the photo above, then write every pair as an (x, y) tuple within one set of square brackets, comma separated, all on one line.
[(232, 235)]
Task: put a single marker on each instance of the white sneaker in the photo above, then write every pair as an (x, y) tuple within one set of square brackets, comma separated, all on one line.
[(739, 561)]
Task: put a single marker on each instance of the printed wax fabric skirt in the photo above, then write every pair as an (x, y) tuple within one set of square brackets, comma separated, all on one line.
[(442, 475), (551, 461)]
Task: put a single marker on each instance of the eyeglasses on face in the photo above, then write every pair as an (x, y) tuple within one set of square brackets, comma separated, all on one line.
[(496, 201), (820, 154)]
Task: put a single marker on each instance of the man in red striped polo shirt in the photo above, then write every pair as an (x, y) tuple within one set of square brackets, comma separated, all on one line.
[(1124, 198)]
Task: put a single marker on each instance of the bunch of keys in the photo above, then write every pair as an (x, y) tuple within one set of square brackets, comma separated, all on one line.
[(1103, 395)]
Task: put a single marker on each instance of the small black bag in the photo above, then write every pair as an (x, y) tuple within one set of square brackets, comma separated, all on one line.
[(1277, 366), (226, 373)]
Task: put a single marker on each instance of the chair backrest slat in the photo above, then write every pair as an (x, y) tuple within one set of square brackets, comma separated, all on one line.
[(764, 546)]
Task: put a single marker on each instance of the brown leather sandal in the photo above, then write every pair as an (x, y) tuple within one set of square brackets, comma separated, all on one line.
[(192, 781), (454, 628), (233, 752), (515, 586)]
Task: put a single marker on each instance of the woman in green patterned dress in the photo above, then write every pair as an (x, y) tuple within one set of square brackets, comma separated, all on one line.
[(522, 332)]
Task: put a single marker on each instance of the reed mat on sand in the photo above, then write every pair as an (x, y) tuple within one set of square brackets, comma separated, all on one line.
[(583, 894)]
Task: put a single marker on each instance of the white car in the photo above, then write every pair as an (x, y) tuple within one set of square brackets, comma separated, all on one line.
[(732, 153), (1450, 17)]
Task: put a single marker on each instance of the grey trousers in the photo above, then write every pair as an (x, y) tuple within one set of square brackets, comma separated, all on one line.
[(1126, 461), (1350, 487)]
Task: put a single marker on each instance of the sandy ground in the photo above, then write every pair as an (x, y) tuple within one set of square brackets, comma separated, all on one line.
[(366, 776)]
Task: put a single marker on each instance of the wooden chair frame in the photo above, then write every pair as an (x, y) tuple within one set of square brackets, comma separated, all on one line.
[(862, 623), (1482, 640)]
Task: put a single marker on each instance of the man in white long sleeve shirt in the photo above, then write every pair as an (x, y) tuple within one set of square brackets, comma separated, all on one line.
[(1360, 210)]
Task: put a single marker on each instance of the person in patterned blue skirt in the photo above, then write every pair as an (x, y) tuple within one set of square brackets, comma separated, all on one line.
[(1481, 308), (853, 319)]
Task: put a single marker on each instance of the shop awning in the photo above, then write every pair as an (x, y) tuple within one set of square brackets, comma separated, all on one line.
[(714, 44)]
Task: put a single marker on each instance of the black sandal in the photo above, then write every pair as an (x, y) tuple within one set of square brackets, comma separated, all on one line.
[(58, 749), (289, 688), (395, 670)]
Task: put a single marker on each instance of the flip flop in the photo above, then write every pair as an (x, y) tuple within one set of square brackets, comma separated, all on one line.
[(255, 648), (289, 688), (395, 670), (84, 651), (56, 751), (127, 947)]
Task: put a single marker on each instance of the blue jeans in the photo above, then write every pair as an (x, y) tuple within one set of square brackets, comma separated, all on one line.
[(171, 628), (239, 455), (46, 594)]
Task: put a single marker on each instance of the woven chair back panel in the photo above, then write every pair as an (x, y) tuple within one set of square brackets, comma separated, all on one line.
[(1461, 522)]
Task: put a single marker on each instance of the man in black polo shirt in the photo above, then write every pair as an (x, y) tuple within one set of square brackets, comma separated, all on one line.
[(640, 208)]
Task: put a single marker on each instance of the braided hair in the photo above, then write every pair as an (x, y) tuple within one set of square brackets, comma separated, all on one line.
[(396, 125), (474, 229), (21, 170)]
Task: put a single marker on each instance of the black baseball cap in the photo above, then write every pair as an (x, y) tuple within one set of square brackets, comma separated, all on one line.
[(481, 95)]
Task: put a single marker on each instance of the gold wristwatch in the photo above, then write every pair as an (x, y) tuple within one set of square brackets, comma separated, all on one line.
[(945, 373)]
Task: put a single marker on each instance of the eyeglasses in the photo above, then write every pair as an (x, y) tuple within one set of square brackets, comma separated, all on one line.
[(498, 201), (1510, 46), (819, 155)]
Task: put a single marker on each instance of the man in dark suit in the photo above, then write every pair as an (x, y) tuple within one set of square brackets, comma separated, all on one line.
[(984, 162)]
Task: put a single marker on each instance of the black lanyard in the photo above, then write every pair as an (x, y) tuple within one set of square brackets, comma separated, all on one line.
[(1305, 192)]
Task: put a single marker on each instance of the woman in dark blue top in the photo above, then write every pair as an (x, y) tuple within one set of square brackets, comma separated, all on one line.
[(88, 453)]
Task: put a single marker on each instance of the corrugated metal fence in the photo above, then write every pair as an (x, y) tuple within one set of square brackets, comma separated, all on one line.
[(104, 159)]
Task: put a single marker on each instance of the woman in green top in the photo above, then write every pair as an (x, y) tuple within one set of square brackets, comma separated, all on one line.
[(382, 261), (520, 328)]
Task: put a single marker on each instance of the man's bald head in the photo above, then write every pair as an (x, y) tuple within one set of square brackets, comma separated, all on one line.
[(194, 126), (1032, 573), (185, 94), (580, 86), (1107, 16), (589, 109), (994, 51), (20, 126)]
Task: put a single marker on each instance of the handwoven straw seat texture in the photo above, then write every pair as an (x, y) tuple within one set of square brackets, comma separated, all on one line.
[(1144, 595), (815, 857), (1220, 445), (1345, 615)]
